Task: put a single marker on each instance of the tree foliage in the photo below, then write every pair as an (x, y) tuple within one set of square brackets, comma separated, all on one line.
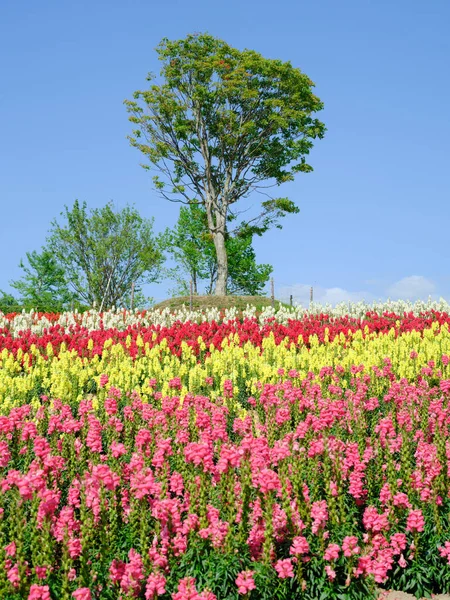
[(8, 303), (245, 276), (190, 244), (103, 253), (222, 124), (43, 286)]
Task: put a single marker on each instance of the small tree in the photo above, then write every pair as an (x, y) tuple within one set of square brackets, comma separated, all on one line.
[(102, 253), (9, 304), (43, 286), (225, 123), (245, 276), (191, 245)]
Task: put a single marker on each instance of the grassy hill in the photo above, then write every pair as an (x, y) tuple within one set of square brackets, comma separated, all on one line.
[(220, 302)]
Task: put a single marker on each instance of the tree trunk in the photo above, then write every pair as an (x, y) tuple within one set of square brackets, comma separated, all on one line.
[(222, 264), (216, 215)]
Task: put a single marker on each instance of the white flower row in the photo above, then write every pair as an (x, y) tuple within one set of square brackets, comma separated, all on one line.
[(119, 319)]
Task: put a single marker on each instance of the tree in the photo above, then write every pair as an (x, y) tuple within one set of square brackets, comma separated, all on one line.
[(245, 276), (225, 123), (104, 253), (192, 247), (190, 243), (43, 286), (8, 303)]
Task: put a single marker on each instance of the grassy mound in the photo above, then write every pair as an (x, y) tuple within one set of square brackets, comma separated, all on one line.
[(220, 302)]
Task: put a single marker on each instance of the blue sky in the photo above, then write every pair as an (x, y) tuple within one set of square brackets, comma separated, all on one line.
[(374, 218)]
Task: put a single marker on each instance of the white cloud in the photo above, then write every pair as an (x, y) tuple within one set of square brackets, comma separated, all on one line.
[(415, 287), (301, 294), (336, 295)]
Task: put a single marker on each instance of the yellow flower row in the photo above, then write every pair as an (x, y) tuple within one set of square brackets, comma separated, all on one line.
[(70, 377)]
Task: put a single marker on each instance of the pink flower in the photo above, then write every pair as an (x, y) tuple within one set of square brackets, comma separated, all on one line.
[(444, 384), (110, 406), (82, 594), (363, 567), (385, 494), (284, 568), (350, 546), (158, 559), (331, 552), (398, 542), (319, 514), (175, 383), (74, 546), (176, 483), (228, 388), (5, 454), (117, 449), (375, 522), (103, 474), (13, 575), (415, 521), (179, 544), (245, 582), (143, 484), (331, 573), (39, 592), (186, 590), (116, 570), (41, 572), (401, 500), (380, 567), (103, 380), (333, 488), (199, 453), (66, 522), (155, 586), (267, 480), (10, 549), (94, 435), (133, 573), (299, 545), (444, 551)]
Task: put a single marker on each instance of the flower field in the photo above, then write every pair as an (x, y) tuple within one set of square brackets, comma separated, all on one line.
[(200, 456)]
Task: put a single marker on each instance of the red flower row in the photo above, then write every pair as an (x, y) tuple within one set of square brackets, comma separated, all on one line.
[(213, 333)]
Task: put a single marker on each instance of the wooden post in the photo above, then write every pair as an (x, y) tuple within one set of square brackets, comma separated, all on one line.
[(132, 296), (191, 288), (272, 292), (311, 296)]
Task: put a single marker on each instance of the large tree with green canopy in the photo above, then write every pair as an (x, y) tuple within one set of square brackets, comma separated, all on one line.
[(223, 124)]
